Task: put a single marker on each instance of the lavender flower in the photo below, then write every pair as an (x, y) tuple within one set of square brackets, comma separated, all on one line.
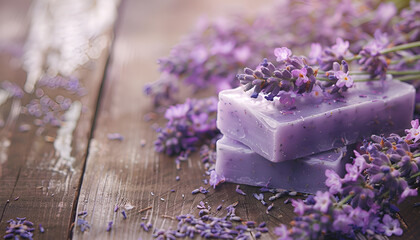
[(82, 224), (339, 78), (292, 75), (19, 228), (328, 56), (391, 226), (372, 60), (282, 54), (414, 132), (361, 201), (187, 124), (238, 190)]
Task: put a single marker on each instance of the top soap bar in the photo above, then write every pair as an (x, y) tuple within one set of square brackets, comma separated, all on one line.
[(278, 134)]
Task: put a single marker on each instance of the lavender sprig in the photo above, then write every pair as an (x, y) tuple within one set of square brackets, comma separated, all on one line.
[(293, 75), (188, 123), (213, 53), (362, 201)]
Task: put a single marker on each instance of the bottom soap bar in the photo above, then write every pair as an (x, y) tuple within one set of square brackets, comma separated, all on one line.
[(239, 164)]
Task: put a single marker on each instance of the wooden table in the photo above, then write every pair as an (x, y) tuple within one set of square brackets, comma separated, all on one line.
[(50, 174)]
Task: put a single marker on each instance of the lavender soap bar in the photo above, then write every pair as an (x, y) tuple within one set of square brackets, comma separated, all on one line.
[(239, 164), (278, 134)]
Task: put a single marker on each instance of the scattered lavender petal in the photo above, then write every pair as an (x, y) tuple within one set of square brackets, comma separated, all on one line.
[(143, 225), (41, 229), (115, 136), (269, 208), (177, 178), (262, 224), (109, 227), (116, 208), (124, 214), (240, 191)]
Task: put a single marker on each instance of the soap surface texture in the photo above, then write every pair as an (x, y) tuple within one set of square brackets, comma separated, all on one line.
[(279, 133), (239, 164)]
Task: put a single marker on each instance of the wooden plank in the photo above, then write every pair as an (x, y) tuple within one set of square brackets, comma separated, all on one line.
[(43, 166), (120, 173), (124, 172)]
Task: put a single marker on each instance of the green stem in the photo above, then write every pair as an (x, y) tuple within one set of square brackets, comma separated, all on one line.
[(401, 47), (356, 57), (408, 78), (389, 50), (407, 59), (406, 72), (416, 155), (403, 72), (415, 175), (402, 78), (344, 200)]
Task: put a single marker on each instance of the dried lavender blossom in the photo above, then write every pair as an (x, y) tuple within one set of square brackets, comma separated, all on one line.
[(240, 191), (215, 51), (361, 202), (187, 125), (115, 136), (292, 76)]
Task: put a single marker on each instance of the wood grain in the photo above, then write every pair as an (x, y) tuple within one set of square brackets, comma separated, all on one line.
[(125, 173), (32, 170), (117, 173), (122, 172)]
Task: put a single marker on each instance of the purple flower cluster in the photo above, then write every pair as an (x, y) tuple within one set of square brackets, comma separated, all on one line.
[(372, 60), (48, 110), (327, 56), (361, 202), (292, 75), (409, 25), (210, 227), (81, 223), (188, 124), (71, 84), (215, 51), (19, 229), (339, 78)]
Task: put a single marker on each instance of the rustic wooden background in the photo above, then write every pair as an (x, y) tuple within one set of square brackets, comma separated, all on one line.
[(107, 173)]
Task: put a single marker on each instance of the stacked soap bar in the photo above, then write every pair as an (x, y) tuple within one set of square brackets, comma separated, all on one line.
[(279, 134), (239, 164), (264, 140)]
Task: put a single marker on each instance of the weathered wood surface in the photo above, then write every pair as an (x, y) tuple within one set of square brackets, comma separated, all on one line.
[(124, 172), (43, 168), (116, 172)]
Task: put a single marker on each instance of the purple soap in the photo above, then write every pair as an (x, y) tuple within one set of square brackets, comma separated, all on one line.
[(279, 133), (239, 164)]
